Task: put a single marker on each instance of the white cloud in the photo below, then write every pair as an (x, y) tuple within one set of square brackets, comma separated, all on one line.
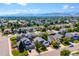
[(21, 11), (8, 12), (58, 11), (65, 6), (68, 7), (12, 12), (72, 7), (23, 4), (34, 10), (7, 3), (41, 1), (17, 11)]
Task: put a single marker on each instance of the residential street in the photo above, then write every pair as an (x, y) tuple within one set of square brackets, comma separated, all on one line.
[(4, 48), (76, 47), (56, 52), (52, 53)]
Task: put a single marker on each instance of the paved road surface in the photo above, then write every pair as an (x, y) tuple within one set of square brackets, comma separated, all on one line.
[(4, 47), (55, 52), (76, 47)]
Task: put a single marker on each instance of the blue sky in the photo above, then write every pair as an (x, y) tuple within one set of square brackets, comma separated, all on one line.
[(37, 8)]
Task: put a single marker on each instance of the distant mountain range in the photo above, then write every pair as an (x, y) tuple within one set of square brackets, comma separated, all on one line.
[(46, 14)]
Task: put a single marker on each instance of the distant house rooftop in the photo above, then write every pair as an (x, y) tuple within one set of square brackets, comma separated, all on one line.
[(75, 36), (42, 41), (7, 31), (74, 20), (62, 30), (46, 43), (69, 35), (51, 32), (54, 37), (25, 39), (39, 39)]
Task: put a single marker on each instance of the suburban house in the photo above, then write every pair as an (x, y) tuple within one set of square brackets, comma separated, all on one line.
[(30, 35), (42, 41), (50, 32), (54, 31), (7, 31), (2, 24), (61, 31), (75, 36), (16, 31), (74, 20), (37, 32), (69, 35), (54, 37), (57, 36), (50, 38), (26, 43), (67, 21)]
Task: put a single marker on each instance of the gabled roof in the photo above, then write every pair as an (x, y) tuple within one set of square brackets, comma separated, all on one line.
[(24, 39), (75, 36), (50, 31), (55, 37), (68, 35), (61, 30), (46, 43), (28, 35), (38, 39)]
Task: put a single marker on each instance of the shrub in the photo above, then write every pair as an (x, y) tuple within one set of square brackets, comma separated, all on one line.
[(43, 48), (70, 30), (40, 47), (65, 53), (76, 41), (13, 38), (66, 41), (45, 36), (55, 44)]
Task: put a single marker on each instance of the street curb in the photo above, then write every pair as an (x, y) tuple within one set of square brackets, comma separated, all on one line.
[(10, 51)]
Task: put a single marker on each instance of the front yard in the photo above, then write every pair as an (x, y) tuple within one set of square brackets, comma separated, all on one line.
[(75, 53), (16, 52)]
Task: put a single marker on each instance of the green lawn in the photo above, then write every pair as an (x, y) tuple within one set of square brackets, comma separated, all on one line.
[(76, 53), (17, 53), (76, 41)]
